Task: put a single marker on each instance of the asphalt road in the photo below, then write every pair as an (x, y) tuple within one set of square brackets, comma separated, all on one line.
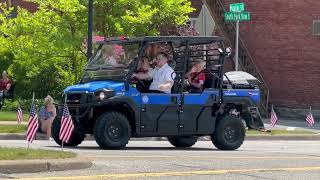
[(276, 160)]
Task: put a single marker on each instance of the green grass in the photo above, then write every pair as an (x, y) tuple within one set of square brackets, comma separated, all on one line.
[(4, 128), (279, 132), (11, 116), (23, 153)]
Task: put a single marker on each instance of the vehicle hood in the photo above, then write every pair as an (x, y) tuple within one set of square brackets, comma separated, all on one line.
[(240, 77), (95, 85)]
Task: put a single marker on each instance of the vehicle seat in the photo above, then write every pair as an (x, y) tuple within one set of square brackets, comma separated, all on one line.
[(208, 83)]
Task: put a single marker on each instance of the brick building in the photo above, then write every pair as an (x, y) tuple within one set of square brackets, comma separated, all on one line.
[(279, 40)]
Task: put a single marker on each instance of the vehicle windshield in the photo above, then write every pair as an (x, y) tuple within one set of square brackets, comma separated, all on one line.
[(110, 62)]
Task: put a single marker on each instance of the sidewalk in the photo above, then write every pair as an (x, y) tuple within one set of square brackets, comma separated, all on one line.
[(12, 123), (292, 124), (35, 166)]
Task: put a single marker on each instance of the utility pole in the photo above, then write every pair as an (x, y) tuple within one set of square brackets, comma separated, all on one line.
[(90, 22)]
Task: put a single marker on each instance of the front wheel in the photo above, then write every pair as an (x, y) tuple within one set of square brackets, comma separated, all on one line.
[(75, 138), (229, 134), (112, 130), (183, 141)]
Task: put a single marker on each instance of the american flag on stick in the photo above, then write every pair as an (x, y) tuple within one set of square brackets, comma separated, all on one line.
[(19, 114), (33, 124), (66, 125), (273, 118), (310, 119)]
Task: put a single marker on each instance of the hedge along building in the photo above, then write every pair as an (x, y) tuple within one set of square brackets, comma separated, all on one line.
[(280, 46)]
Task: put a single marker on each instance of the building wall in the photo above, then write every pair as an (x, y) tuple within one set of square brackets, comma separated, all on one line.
[(32, 7), (279, 38)]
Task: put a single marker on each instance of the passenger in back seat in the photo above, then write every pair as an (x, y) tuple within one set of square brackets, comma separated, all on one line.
[(196, 77)]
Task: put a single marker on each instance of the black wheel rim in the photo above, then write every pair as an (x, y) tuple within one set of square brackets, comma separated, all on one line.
[(114, 132), (230, 134)]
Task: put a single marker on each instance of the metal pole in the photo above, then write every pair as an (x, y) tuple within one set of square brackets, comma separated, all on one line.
[(90, 19), (237, 45)]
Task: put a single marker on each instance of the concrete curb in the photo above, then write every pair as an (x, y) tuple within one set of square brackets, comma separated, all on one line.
[(34, 166), (307, 137)]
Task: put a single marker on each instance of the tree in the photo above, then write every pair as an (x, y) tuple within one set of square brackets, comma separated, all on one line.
[(139, 17), (44, 48)]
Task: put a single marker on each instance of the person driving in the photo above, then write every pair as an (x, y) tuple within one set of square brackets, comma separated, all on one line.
[(143, 65), (162, 75), (5, 85), (143, 68), (196, 77)]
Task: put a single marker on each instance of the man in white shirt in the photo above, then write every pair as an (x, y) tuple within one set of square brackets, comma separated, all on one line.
[(162, 75)]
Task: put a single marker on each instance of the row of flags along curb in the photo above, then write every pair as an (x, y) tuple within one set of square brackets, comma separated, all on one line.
[(66, 128)]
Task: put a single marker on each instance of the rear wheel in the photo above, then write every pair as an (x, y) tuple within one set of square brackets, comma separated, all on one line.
[(75, 139), (229, 134), (112, 131), (183, 141)]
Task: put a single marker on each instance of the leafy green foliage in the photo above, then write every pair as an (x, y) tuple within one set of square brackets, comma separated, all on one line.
[(25, 104), (45, 45), (43, 50), (139, 17)]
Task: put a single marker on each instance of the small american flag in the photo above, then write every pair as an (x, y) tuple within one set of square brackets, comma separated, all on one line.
[(19, 114), (32, 124), (66, 125), (310, 119), (274, 117)]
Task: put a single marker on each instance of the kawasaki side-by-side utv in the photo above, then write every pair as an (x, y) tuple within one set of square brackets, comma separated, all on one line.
[(114, 107)]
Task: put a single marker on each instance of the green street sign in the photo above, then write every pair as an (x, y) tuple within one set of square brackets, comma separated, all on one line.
[(238, 7), (237, 16)]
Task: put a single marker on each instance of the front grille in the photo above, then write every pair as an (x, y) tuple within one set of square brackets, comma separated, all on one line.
[(74, 98), (79, 98), (78, 103)]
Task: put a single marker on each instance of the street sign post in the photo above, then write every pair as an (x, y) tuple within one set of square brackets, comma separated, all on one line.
[(238, 7), (237, 14)]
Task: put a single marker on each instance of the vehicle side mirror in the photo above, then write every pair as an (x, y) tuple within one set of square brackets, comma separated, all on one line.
[(228, 51)]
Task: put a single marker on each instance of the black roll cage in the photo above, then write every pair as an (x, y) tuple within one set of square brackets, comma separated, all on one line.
[(173, 41)]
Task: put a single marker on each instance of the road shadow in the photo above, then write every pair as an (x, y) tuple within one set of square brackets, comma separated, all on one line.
[(139, 148)]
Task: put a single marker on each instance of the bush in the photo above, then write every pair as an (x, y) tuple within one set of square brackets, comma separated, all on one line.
[(25, 104)]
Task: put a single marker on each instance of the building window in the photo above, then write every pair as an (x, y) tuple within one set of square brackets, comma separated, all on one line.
[(316, 27)]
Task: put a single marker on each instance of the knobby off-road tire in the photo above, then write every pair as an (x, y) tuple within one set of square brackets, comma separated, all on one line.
[(112, 131), (75, 139), (183, 141), (229, 134)]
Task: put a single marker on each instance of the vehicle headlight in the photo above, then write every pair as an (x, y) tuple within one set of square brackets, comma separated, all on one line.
[(104, 94)]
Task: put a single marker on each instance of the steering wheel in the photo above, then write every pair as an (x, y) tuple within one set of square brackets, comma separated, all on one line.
[(142, 83), (138, 81)]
